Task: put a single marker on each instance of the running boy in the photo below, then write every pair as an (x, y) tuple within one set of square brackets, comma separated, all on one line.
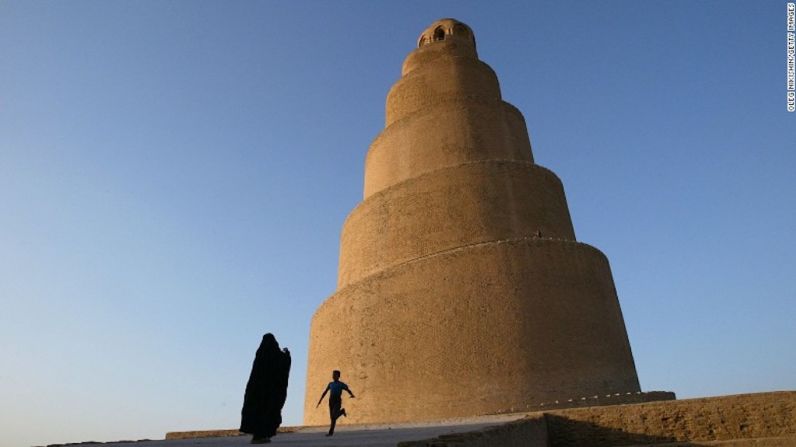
[(335, 399)]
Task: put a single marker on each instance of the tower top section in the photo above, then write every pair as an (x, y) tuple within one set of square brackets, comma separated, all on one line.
[(446, 29), (443, 38)]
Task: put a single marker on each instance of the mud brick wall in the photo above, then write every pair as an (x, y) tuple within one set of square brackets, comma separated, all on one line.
[(741, 416)]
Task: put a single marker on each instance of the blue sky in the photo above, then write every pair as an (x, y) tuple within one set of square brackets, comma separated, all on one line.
[(174, 177)]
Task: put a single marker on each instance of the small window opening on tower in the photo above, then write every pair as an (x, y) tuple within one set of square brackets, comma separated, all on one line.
[(421, 42), (439, 34)]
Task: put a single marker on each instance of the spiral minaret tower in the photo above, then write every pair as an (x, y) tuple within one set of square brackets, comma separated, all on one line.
[(461, 288)]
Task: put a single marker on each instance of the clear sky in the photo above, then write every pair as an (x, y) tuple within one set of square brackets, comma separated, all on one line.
[(174, 177)]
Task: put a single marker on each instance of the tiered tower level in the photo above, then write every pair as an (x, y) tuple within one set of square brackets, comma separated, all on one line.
[(461, 289)]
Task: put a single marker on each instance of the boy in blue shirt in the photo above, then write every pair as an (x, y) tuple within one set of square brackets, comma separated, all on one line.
[(335, 399)]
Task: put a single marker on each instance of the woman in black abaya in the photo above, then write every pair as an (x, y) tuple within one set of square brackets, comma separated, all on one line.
[(266, 391)]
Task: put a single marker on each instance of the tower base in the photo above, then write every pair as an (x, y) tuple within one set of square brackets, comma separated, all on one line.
[(487, 328)]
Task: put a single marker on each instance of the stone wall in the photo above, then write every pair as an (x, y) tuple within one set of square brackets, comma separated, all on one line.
[(449, 208), (763, 419), (480, 329), (708, 419), (453, 132)]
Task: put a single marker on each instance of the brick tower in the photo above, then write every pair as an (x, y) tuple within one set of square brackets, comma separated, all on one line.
[(461, 288)]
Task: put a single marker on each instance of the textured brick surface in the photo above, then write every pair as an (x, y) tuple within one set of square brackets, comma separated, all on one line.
[(450, 208), (486, 328), (453, 132), (709, 419), (746, 420)]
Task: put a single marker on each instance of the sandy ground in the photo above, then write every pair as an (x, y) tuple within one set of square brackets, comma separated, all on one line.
[(374, 435)]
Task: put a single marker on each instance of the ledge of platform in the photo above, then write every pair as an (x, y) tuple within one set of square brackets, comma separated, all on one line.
[(598, 401)]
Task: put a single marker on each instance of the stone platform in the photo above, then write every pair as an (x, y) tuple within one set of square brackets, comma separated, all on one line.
[(761, 419), (744, 420), (345, 435)]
